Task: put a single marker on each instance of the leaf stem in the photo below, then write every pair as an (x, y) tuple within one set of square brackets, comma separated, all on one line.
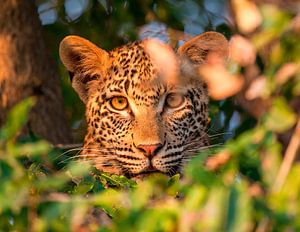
[(289, 158)]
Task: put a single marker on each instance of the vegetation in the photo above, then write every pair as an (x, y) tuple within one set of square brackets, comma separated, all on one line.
[(248, 183)]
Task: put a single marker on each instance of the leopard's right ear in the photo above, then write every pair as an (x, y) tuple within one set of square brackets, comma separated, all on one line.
[(84, 61), (195, 52)]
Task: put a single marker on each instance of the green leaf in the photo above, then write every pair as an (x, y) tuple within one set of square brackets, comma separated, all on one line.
[(17, 117), (30, 149), (78, 169), (141, 194), (239, 208), (116, 181), (280, 117), (83, 188)]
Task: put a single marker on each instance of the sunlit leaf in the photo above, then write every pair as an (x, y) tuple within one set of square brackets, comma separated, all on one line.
[(239, 209), (247, 15), (17, 117), (280, 117), (30, 149)]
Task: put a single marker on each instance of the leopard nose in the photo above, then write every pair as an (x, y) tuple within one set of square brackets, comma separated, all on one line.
[(150, 149)]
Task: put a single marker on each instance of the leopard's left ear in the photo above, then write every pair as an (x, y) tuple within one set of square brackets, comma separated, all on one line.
[(84, 61), (195, 51)]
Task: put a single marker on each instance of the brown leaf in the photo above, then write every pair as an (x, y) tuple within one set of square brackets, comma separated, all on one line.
[(256, 88), (286, 72), (163, 56), (221, 84), (241, 50), (247, 15), (217, 161), (255, 190)]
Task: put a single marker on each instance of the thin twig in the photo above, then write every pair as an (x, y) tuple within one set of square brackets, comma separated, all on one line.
[(284, 170), (68, 146), (263, 225), (289, 157), (57, 197)]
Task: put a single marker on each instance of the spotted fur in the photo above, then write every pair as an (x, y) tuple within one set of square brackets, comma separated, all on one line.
[(114, 138)]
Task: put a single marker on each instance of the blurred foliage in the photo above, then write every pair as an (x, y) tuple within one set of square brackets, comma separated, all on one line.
[(45, 189)]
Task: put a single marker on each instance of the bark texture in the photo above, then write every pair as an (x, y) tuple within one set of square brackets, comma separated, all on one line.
[(27, 69)]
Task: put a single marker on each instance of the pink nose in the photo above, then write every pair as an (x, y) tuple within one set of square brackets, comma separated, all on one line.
[(150, 149)]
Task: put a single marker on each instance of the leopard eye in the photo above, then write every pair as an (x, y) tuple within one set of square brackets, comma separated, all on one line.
[(119, 103), (175, 100)]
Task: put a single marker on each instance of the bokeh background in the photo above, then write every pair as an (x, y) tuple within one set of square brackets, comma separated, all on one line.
[(248, 179)]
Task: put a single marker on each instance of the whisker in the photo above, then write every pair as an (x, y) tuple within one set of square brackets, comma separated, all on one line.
[(83, 156), (98, 150), (79, 149), (202, 147), (172, 171), (219, 134), (68, 151), (210, 129)]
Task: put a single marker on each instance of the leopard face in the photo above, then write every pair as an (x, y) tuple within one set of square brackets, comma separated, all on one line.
[(139, 121)]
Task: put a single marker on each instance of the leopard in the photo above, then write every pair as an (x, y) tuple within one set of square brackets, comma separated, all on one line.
[(146, 103)]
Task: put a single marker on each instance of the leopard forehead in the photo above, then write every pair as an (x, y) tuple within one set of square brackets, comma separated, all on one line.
[(132, 59), (132, 72)]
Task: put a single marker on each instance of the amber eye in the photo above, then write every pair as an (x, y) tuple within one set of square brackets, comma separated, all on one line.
[(119, 103), (174, 100)]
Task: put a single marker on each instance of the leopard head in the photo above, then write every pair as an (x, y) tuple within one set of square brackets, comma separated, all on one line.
[(146, 106)]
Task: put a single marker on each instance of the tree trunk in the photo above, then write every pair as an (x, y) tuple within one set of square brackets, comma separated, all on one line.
[(27, 69)]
